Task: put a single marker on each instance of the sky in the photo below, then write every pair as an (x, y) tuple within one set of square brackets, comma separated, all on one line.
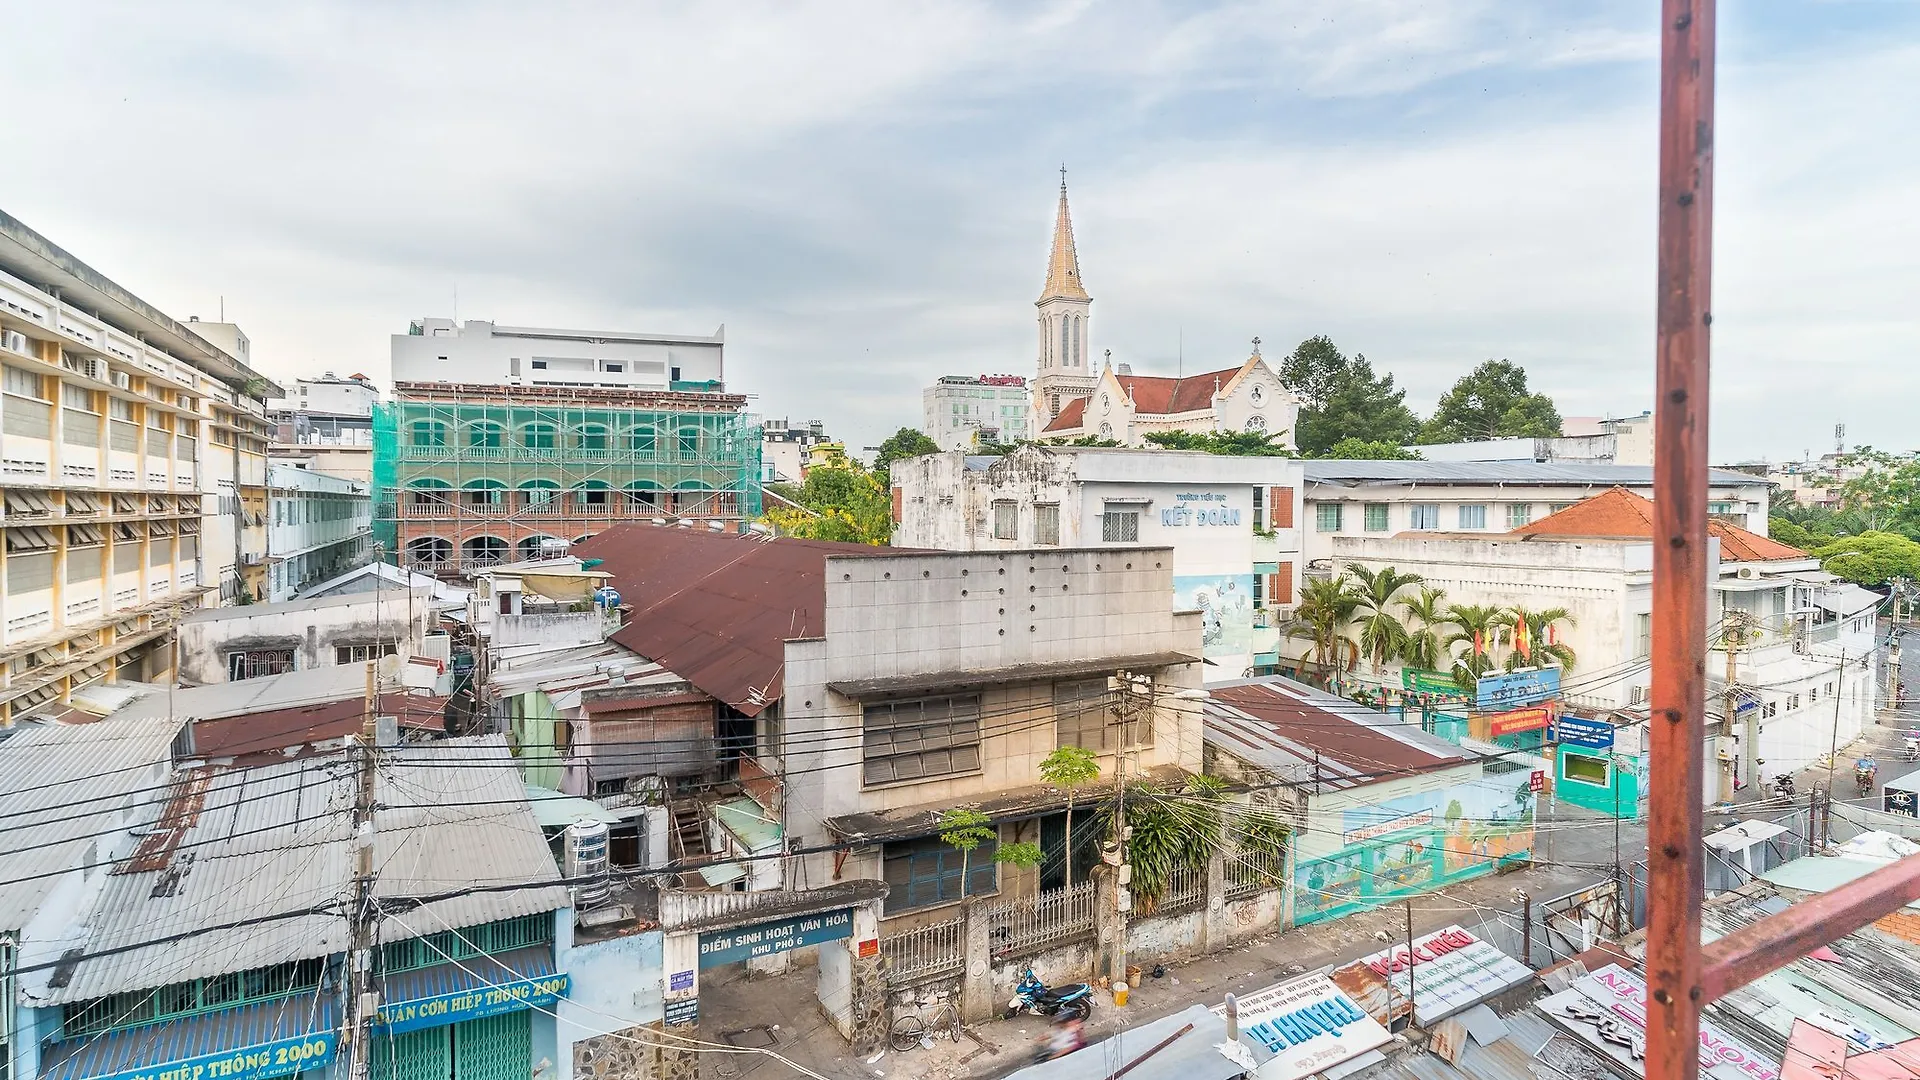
[(863, 193)]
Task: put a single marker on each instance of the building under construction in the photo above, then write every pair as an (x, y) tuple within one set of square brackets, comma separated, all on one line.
[(470, 475)]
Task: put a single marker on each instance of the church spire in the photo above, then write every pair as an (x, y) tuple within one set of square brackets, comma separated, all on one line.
[(1063, 268)]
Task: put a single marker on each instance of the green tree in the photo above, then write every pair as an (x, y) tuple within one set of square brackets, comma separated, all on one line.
[(1352, 449), (1871, 558), (1341, 399), (1424, 646), (1173, 828), (1788, 532), (1326, 607), (905, 443), (965, 830), (1070, 768), (1375, 592), (1025, 856), (837, 502), (1228, 443), (1477, 623), (1538, 623), (1886, 494), (1492, 402)]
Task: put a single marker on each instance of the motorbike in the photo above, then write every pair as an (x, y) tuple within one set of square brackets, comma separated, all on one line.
[(1036, 997), (1863, 771), (1911, 748), (1783, 785)]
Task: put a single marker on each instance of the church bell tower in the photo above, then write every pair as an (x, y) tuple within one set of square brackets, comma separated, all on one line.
[(1064, 312)]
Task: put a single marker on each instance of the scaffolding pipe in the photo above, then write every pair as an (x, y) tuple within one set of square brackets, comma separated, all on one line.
[(1677, 727)]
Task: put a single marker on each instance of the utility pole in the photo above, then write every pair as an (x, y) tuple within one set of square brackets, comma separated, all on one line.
[(1412, 966), (1730, 638), (1526, 928), (1131, 687), (1833, 749), (362, 1006)]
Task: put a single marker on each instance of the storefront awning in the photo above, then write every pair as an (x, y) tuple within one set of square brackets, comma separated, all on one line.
[(472, 988), (274, 1038), (1846, 600)]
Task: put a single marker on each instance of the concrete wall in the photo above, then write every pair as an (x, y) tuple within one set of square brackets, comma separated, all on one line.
[(482, 352), (311, 628)]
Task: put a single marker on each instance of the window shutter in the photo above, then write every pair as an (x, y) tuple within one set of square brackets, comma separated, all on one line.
[(1280, 507), (898, 500), (1280, 586)]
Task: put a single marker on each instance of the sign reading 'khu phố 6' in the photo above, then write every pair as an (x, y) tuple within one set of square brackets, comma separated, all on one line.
[(396, 1017), (767, 938)]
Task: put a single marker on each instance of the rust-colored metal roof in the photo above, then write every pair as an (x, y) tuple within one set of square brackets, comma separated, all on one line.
[(1072, 415), (718, 608), (1159, 395), (1301, 734), (280, 729)]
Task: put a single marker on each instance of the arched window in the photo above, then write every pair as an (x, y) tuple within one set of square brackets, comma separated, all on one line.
[(689, 442), (426, 489), (641, 440), (428, 433), (537, 436), (483, 493), (540, 496), (592, 493), (483, 551), (1073, 357), (484, 435), (1066, 358), (643, 495), (593, 437), (427, 551)]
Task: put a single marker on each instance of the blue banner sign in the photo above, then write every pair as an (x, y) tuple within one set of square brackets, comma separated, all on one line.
[(1512, 689), (399, 1016), (765, 939), (282, 1057), (1580, 731)]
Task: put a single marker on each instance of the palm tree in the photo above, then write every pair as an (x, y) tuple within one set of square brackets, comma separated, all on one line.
[(1381, 635), (1477, 622), (1425, 648), (1326, 607), (1541, 653)]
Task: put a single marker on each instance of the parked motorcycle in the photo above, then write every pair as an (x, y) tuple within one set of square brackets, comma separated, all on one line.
[(1036, 997), (1783, 785)]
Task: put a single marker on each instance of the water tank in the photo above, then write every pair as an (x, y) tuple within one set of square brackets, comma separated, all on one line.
[(586, 861)]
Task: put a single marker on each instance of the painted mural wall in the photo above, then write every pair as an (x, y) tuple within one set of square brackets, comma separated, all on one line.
[(1225, 603), (1414, 843)]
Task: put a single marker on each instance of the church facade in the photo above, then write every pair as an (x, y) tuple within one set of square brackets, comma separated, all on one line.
[(1073, 400)]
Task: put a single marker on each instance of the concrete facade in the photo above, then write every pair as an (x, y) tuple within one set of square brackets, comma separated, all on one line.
[(218, 645), (321, 527), (997, 624), (963, 412), (785, 448), (1231, 522), (440, 350)]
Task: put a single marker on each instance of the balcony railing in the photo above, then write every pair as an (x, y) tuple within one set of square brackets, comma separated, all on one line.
[(617, 504)]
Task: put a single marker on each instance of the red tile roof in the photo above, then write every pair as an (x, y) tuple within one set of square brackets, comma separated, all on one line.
[(1072, 415), (1617, 513), (718, 608), (1159, 395)]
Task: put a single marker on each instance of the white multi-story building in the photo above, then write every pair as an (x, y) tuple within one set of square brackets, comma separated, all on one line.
[(965, 412), (786, 449), (327, 423), (440, 350), (1598, 441), (321, 527), (127, 441), (1229, 522), (1381, 498)]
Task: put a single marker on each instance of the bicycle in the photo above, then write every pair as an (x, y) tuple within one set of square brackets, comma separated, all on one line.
[(919, 1025)]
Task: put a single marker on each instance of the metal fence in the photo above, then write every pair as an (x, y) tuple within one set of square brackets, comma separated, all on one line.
[(1252, 872), (1186, 890), (925, 953), (1025, 925)]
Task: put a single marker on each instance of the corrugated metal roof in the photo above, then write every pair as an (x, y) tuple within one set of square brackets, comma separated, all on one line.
[(1529, 1039), (1289, 729), (1847, 599), (292, 689), (276, 838), (1358, 473), (719, 608), (51, 776), (225, 1032)]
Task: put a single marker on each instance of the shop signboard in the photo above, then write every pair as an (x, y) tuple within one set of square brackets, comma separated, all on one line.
[(1447, 972), (1418, 681), (1582, 731), (440, 1009), (1519, 720), (682, 1011), (768, 938), (1309, 1025), (1608, 1011), (1512, 689), (281, 1057)]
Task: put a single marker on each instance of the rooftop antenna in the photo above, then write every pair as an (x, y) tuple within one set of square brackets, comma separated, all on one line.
[(223, 309), (1839, 438), (1180, 353)]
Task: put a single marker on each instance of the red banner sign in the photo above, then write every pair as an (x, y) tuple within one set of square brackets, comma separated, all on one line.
[(1519, 720)]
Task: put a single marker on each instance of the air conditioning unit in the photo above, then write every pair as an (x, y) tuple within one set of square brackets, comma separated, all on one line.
[(1747, 573), (14, 340), (253, 558), (123, 380)]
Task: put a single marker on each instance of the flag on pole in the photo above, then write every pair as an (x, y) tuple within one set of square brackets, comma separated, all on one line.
[(1523, 639)]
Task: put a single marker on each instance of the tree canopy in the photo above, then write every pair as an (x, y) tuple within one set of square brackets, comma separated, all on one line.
[(1229, 443), (905, 443), (1492, 402), (1871, 558), (1351, 449), (837, 502), (1341, 399)]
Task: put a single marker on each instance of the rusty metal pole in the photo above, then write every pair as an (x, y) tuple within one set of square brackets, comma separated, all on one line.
[(1678, 719)]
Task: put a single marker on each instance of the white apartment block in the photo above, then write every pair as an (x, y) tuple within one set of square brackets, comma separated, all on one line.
[(133, 468), (965, 412), (1382, 498), (440, 350), (321, 527)]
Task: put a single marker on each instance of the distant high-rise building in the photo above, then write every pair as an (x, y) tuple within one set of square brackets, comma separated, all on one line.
[(963, 412)]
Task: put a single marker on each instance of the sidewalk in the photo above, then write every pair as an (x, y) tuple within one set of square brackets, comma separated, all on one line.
[(782, 1014)]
